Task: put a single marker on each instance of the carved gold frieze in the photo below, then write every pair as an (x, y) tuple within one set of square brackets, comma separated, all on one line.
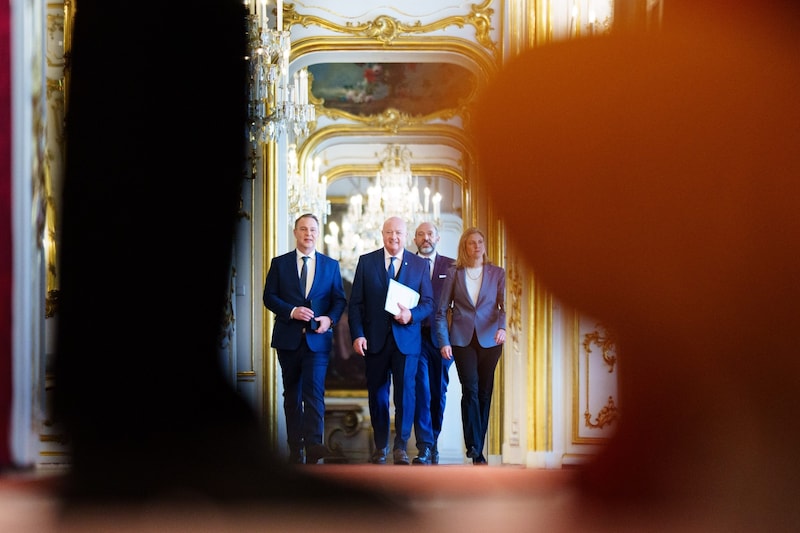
[(387, 30), (392, 120)]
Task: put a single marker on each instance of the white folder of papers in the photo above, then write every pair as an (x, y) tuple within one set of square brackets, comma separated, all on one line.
[(400, 294)]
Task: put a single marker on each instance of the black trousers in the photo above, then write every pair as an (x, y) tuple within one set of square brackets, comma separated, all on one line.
[(476, 366)]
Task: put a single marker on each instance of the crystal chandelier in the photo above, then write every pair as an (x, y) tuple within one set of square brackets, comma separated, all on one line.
[(276, 106), (395, 192), (307, 188)]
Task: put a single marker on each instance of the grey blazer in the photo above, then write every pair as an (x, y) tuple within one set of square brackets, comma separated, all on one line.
[(483, 317)]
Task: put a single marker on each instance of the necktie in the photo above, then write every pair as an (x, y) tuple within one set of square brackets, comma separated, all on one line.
[(430, 267), (391, 268), (304, 275)]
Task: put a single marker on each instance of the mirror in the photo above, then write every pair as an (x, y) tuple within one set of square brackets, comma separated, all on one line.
[(388, 140), (353, 228)]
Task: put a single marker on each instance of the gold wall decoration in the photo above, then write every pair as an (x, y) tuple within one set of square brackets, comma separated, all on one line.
[(607, 415), (594, 383), (514, 290), (58, 27), (514, 348), (606, 342), (391, 119), (387, 30)]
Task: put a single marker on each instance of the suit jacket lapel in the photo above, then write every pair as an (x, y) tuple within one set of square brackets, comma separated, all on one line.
[(401, 273)]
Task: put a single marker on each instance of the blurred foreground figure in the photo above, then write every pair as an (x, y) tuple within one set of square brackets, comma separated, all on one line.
[(155, 158), (664, 175)]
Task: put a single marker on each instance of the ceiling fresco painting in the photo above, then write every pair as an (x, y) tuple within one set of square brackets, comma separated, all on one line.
[(415, 89)]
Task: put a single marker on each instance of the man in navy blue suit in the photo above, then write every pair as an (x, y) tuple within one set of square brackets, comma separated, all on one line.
[(433, 375), (304, 289), (390, 343)]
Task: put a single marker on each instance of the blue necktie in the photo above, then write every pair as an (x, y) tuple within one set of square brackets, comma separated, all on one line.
[(391, 268), (304, 275), (430, 267)]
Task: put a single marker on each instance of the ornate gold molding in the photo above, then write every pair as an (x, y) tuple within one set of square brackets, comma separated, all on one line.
[(606, 340), (368, 171), (514, 290), (607, 344), (432, 133), (607, 415), (463, 52), (514, 349), (388, 30), (392, 120)]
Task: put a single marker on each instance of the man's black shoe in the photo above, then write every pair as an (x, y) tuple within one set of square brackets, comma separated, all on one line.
[(400, 457), (425, 457), (378, 457), (315, 452)]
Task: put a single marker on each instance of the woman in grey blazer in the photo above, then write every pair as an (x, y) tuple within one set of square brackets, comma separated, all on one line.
[(475, 295)]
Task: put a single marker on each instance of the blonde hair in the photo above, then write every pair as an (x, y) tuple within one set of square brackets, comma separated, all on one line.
[(463, 258)]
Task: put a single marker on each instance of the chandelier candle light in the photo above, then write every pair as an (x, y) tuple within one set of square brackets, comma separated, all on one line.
[(307, 188), (275, 105), (395, 192)]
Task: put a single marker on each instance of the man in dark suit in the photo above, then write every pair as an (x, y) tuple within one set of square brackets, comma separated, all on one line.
[(304, 289), (433, 375), (391, 344)]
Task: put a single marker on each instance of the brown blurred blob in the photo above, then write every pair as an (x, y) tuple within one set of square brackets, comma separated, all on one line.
[(660, 176)]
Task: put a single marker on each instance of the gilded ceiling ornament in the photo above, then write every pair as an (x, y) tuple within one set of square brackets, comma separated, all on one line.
[(386, 29), (392, 119)]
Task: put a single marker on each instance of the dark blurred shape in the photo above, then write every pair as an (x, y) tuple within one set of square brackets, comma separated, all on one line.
[(156, 129), (663, 176)]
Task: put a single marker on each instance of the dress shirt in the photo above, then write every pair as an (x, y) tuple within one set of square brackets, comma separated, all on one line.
[(398, 261), (310, 266), (431, 261)]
